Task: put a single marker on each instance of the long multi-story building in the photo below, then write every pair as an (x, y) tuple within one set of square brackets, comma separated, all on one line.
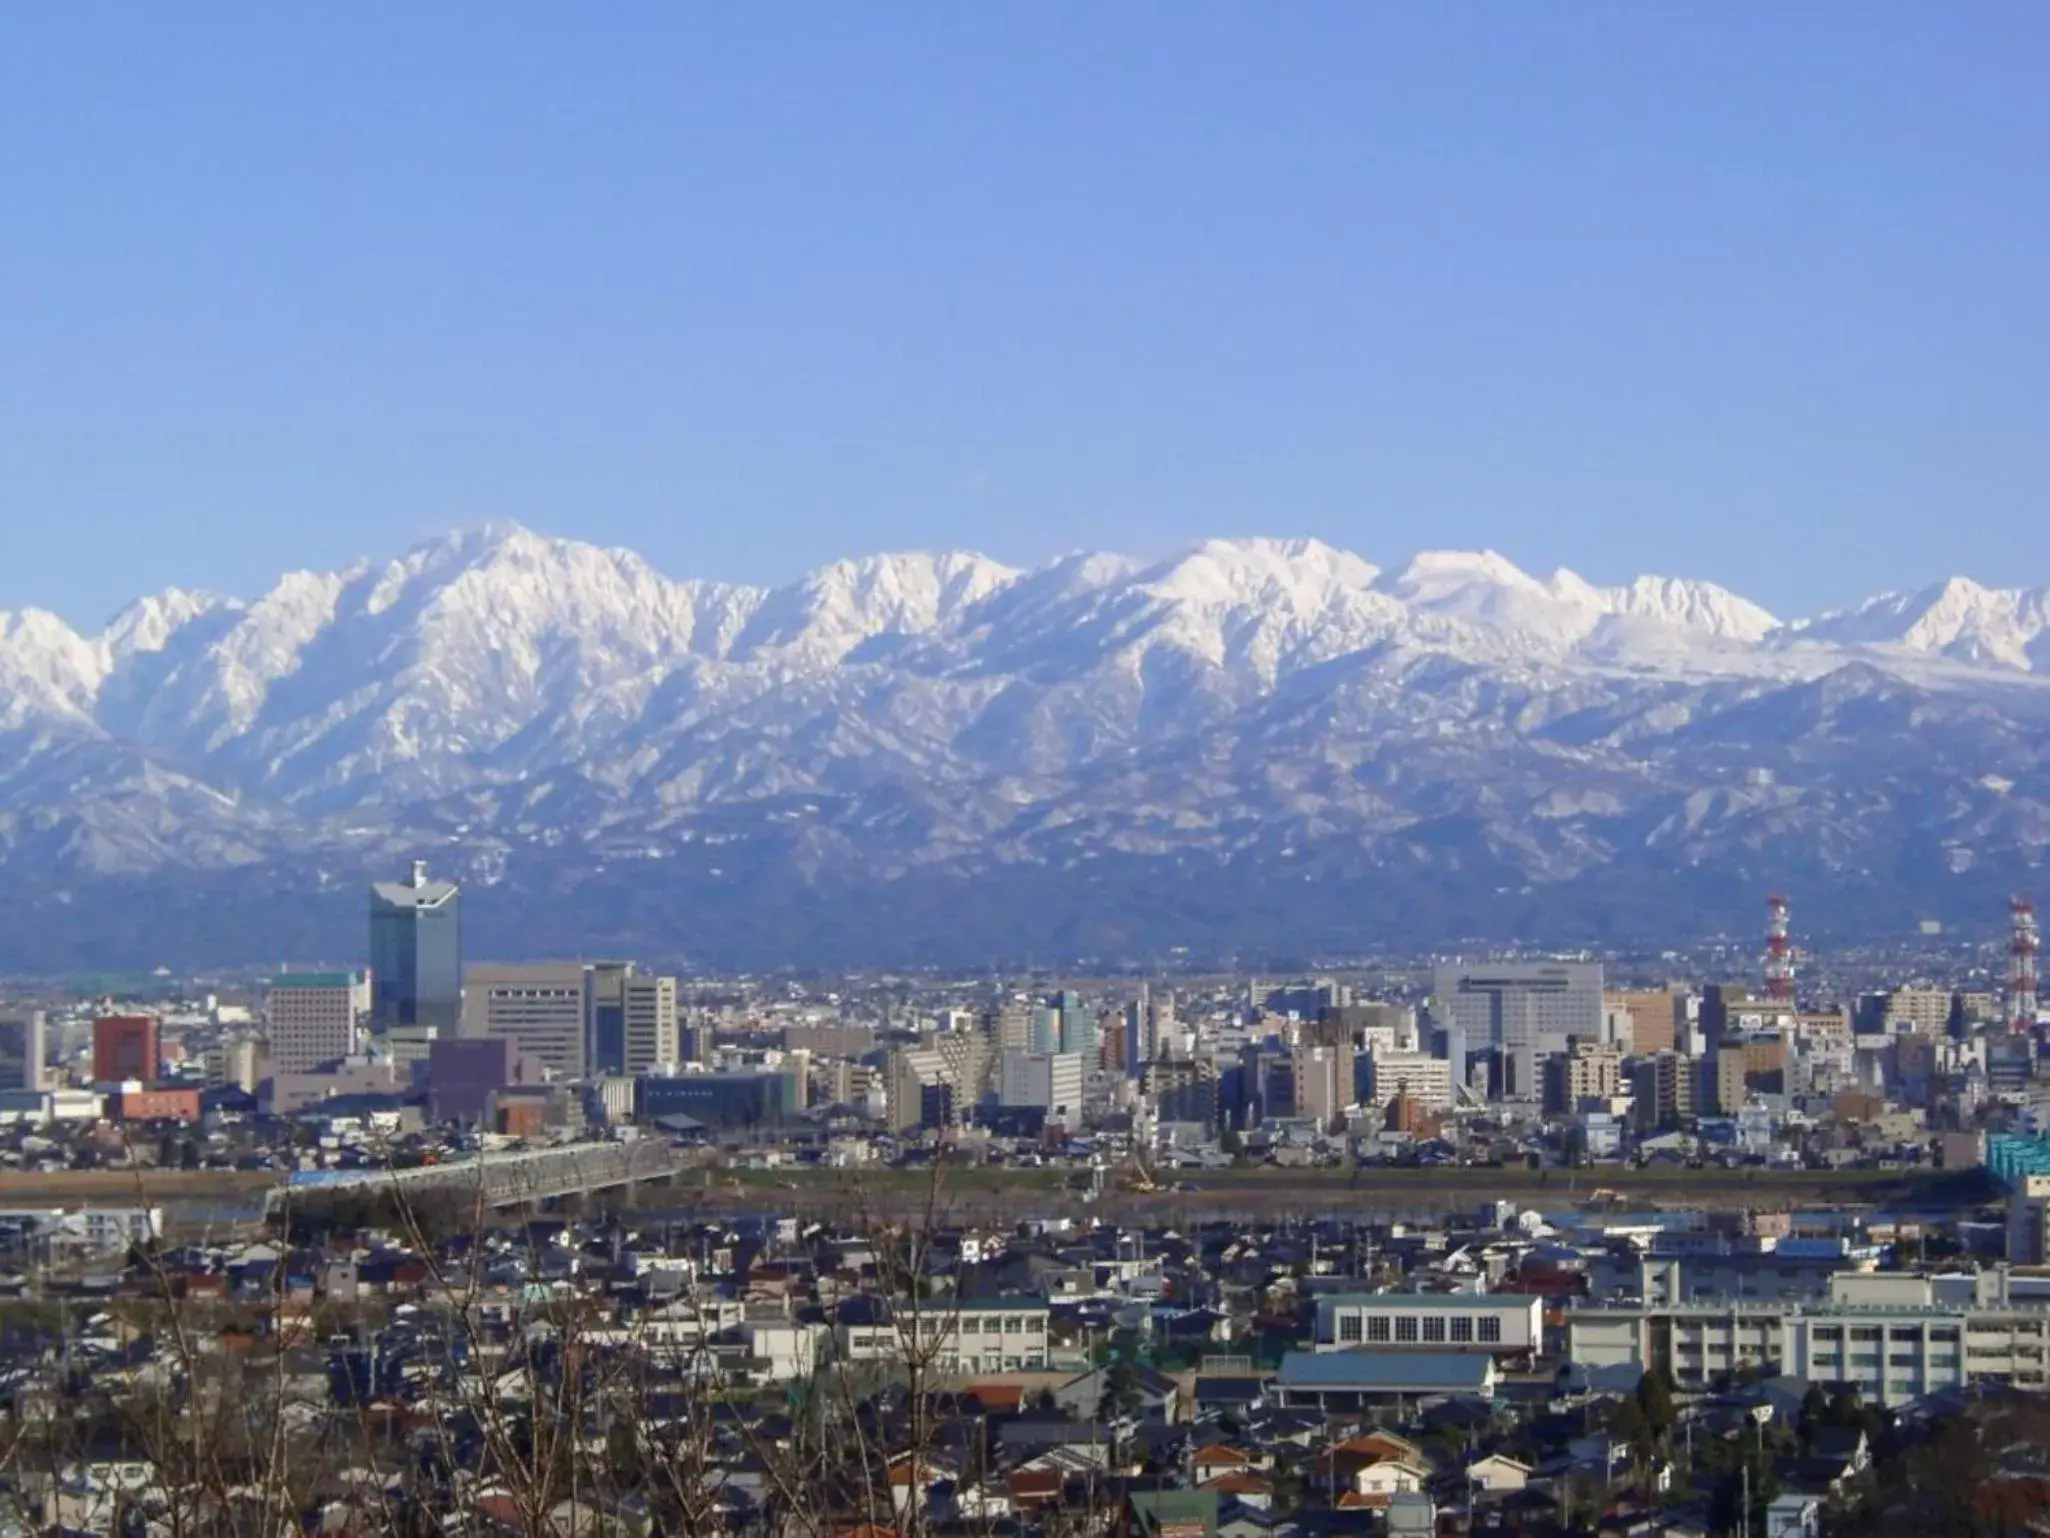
[(978, 1336), (1893, 1337), (1498, 1324)]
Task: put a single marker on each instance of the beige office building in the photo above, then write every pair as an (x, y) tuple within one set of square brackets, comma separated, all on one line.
[(651, 1039), (313, 1018), (538, 1007)]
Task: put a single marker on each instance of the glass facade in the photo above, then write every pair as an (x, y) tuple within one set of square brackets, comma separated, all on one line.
[(606, 1051), (416, 953)]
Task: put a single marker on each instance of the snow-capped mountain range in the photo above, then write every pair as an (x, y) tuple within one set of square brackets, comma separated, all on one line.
[(1255, 743)]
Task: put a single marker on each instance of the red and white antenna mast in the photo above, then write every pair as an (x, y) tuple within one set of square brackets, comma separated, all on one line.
[(2021, 965), (1779, 953)]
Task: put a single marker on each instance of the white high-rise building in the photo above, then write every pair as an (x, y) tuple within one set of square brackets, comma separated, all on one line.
[(1052, 1081), (651, 1039)]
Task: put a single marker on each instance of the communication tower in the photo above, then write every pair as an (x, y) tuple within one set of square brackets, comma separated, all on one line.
[(1779, 952), (2021, 964)]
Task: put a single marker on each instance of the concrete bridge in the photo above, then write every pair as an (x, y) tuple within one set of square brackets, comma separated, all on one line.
[(504, 1179)]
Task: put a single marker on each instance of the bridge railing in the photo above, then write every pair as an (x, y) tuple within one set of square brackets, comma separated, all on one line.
[(521, 1175)]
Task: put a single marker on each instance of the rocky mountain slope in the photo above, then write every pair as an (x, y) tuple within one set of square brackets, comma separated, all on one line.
[(1255, 745)]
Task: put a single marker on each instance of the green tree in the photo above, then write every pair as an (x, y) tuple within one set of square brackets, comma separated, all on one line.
[(1655, 1402), (1737, 1464), (1814, 1414), (1120, 1397)]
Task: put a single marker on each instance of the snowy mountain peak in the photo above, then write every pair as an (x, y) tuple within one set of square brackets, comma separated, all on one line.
[(838, 607), (1439, 576), (46, 669), (1301, 575), (1701, 606), (1958, 619)]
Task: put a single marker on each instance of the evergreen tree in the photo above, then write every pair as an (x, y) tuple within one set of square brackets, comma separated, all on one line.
[(1655, 1402)]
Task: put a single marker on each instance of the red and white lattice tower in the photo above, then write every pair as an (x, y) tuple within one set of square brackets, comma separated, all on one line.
[(2021, 965), (1779, 952)]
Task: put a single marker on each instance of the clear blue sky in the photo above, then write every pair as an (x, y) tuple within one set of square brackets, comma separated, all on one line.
[(1758, 293)]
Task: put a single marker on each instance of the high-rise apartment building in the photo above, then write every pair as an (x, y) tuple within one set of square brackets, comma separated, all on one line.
[(937, 1082), (538, 1007), (1425, 1079), (633, 1026), (651, 1039), (1183, 1090), (1080, 1033), (1657, 1017), (237, 1063), (2028, 1221), (1011, 1027), (1323, 1066), (1728, 1068), (1728, 1012), (126, 1048), (1323, 1083), (23, 1050), (1926, 1010), (1589, 1072), (416, 952), (314, 1017), (1663, 1088)]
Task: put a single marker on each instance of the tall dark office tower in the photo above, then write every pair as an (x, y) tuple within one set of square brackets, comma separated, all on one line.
[(605, 1001), (22, 1051), (416, 953)]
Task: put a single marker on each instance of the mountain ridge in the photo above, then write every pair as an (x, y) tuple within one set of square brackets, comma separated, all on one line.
[(549, 717)]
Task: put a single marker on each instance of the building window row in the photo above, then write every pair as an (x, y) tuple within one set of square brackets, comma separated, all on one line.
[(1411, 1329)]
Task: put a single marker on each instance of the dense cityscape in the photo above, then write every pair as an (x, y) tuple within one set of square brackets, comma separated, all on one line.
[(1024, 771), (1491, 1244)]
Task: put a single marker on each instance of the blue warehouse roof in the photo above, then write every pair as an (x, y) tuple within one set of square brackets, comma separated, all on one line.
[(1387, 1372)]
